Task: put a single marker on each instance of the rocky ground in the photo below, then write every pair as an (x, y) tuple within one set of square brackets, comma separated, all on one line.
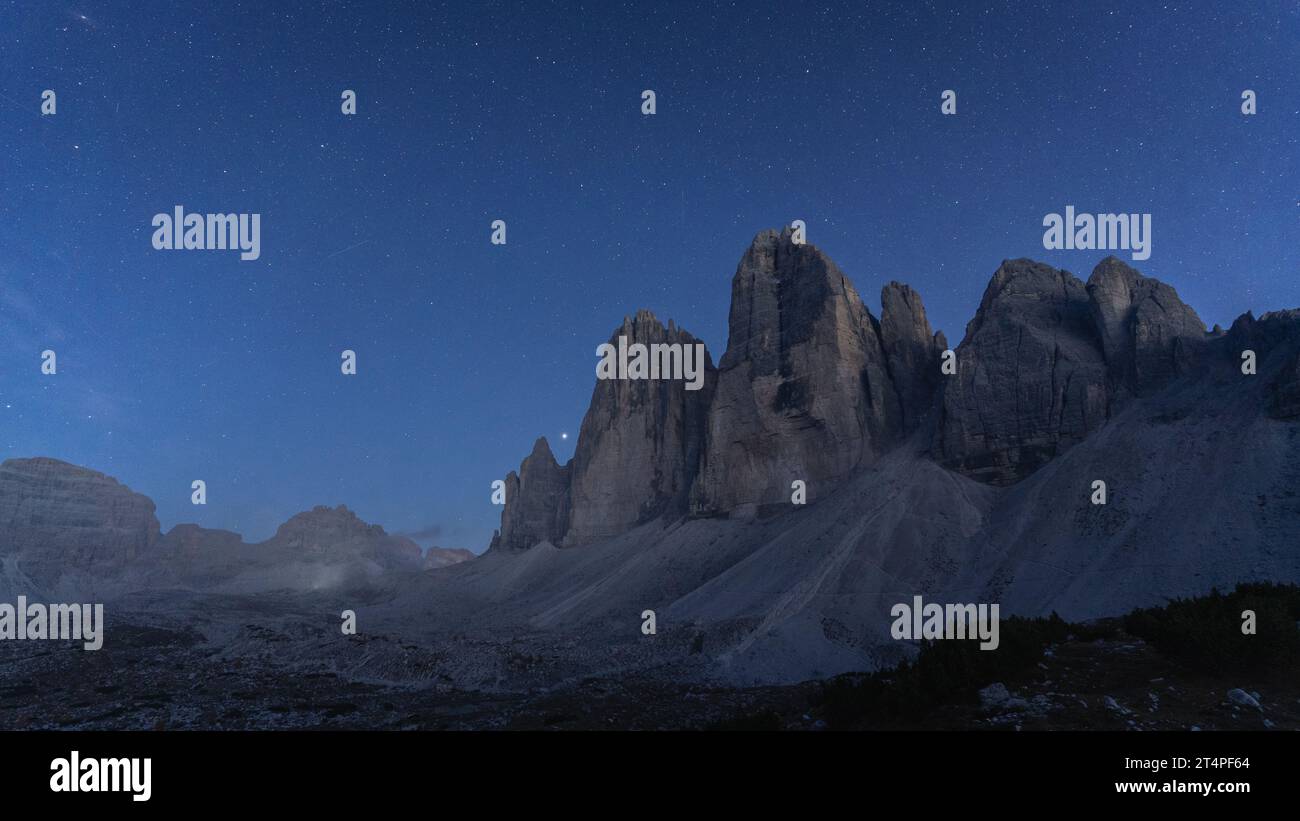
[(172, 678), (1124, 683)]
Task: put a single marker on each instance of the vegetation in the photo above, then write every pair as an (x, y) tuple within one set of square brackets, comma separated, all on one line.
[(1205, 633), (944, 672)]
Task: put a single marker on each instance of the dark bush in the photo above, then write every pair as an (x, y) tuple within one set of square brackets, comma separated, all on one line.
[(764, 721), (1205, 632), (944, 672)]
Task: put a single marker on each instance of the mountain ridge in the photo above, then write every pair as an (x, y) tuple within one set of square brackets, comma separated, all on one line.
[(1045, 360), (973, 485)]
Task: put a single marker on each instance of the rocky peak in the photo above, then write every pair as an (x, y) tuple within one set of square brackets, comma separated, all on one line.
[(1273, 330), (912, 349), (640, 443), (803, 389), (537, 501), (812, 387), (323, 524), (1275, 339), (1031, 378), (1148, 335), (1038, 294), (338, 534)]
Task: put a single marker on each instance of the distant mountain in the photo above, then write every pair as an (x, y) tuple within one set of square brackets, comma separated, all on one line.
[(69, 530), (61, 523), (436, 557)]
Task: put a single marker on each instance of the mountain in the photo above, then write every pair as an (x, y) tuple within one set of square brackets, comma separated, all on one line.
[(325, 548), (1148, 336), (976, 483), (912, 350), (804, 391), (638, 453), (537, 501), (811, 388), (67, 531), (337, 534), (640, 442), (61, 524), (1031, 376), (436, 557)]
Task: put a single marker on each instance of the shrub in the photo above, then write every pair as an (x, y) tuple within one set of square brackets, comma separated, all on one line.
[(1205, 632), (944, 672)]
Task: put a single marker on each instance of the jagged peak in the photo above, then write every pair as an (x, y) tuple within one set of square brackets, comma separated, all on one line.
[(775, 243), (1020, 268), (902, 314), (542, 450), (1284, 315), (644, 326), (1267, 330), (895, 285), (641, 323), (771, 236), (643, 316), (896, 295), (779, 292), (1113, 266), (1016, 277), (1023, 277), (1112, 270)]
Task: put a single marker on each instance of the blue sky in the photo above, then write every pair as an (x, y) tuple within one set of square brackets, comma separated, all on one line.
[(175, 366)]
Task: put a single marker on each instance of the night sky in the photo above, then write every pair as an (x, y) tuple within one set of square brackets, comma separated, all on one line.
[(375, 228)]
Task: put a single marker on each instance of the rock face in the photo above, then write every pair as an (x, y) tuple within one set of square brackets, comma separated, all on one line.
[(1148, 335), (192, 556), (537, 501), (812, 387), (328, 535), (803, 389), (193, 540), (640, 443), (1285, 400), (67, 530), (912, 350), (1275, 340), (1031, 378), (436, 557), (320, 549), (58, 519)]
